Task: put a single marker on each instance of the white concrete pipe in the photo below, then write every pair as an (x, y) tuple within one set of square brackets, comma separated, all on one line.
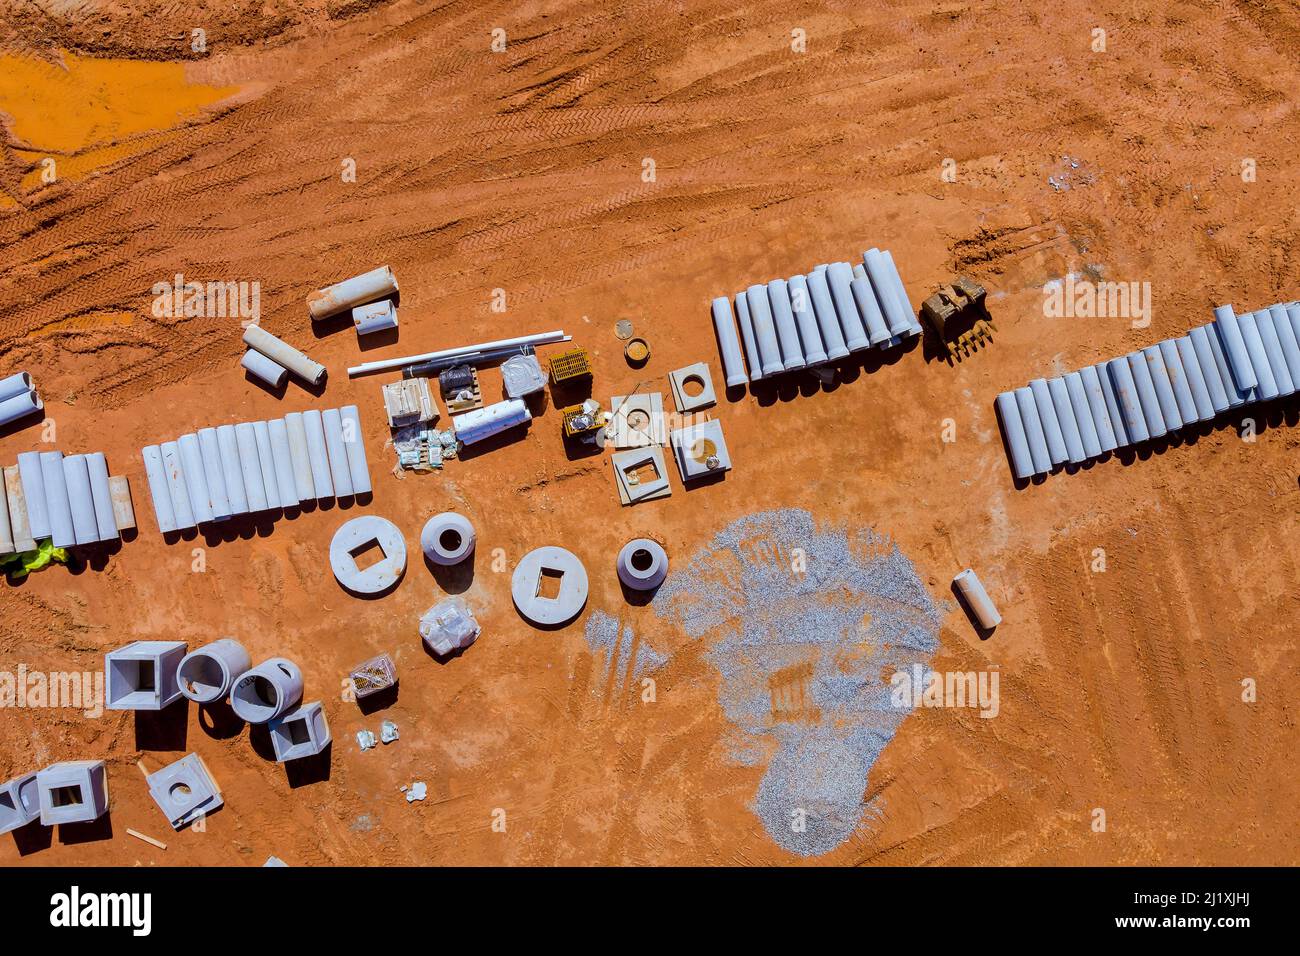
[(196, 478), (914, 326), (17, 507), (76, 478), (1122, 438), (1056, 449), (232, 470), (1273, 350), (101, 495), (1266, 389), (62, 532), (6, 529), (264, 369), (747, 337), (375, 317), (1234, 347), (882, 280), (1196, 380), (20, 406), (342, 296), (20, 383), (724, 325), (285, 354), (302, 471), (494, 419), (250, 467), (642, 564), (1147, 396), (337, 453), (1022, 463), (814, 350), (205, 675), (869, 307), (1083, 415), (1125, 389), (285, 482), (1290, 344), (1065, 418), (174, 469), (267, 691), (787, 333), (824, 309), (977, 599), (1033, 426), (317, 455), (38, 515), (1210, 368), (123, 509), (1103, 427), (760, 313), (356, 449), (447, 538), (266, 464), (1178, 380), (159, 492), (1236, 395), (839, 279), (215, 474)]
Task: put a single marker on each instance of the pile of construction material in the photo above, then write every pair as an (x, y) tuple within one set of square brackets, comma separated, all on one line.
[(1153, 392), (72, 501), (369, 297), (270, 360), (256, 467), (18, 398), (806, 321)]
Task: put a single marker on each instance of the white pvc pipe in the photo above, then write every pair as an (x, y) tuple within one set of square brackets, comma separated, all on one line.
[(250, 467), (839, 277), (747, 337), (914, 327), (284, 480), (18, 383), (724, 324), (62, 532), (302, 473), (316, 454), (76, 478), (778, 297), (980, 603), (38, 516), (384, 365), (356, 449), (494, 419), (196, 479), (210, 450), (266, 462), (158, 490), (17, 502), (264, 369), (232, 472), (20, 406), (174, 469), (374, 317), (101, 494), (869, 306), (814, 353), (824, 308), (342, 296), (285, 354), (123, 509), (760, 313), (336, 453)]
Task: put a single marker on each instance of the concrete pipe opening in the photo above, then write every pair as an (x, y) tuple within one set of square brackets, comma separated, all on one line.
[(202, 678), (642, 564), (447, 538), (267, 691)]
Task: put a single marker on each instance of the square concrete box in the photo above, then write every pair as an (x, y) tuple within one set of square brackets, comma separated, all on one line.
[(184, 791), (20, 802), (75, 791), (142, 676), (302, 732)]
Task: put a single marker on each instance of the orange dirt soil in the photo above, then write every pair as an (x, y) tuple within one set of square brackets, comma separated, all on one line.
[(523, 171)]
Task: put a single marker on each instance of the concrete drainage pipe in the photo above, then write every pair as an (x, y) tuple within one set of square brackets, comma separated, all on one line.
[(267, 691), (642, 564), (447, 538)]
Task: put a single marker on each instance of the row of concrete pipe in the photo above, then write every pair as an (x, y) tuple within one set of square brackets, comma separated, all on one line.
[(70, 501), (253, 467), (810, 320), (1150, 393)]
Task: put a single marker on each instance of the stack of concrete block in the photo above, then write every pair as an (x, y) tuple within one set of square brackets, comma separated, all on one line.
[(1233, 361), (72, 501), (256, 467), (809, 320), (74, 791), (18, 398)]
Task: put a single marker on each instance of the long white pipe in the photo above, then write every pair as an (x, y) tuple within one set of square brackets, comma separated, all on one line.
[(384, 365), (250, 467), (267, 370), (733, 366), (316, 453), (101, 494), (76, 478), (355, 445), (38, 516), (196, 478), (302, 475), (801, 305), (266, 461), (210, 451), (158, 490), (337, 453), (342, 296), (17, 384), (13, 489), (839, 278), (284, 480), (20, 406), (231, 470), (174, 470), (256, 337), (62, 533)]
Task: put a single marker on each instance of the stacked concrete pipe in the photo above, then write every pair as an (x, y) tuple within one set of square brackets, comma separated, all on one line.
[(71, 501), (18, 398)]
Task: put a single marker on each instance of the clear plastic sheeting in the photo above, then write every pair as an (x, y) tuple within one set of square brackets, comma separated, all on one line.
[(449, 626), (522, 375)]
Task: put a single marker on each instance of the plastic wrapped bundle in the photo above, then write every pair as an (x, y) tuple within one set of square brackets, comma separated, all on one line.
[(522, 376), (448, 626), (378, 673)]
